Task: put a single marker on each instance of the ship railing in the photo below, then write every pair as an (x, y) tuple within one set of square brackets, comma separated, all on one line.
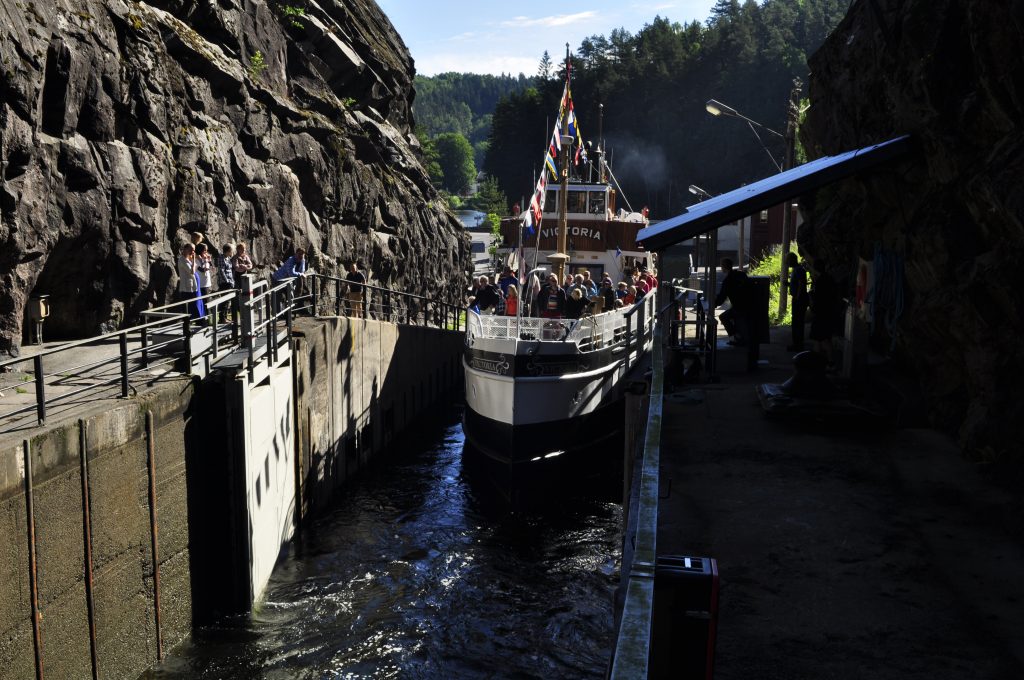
[(630, 327)]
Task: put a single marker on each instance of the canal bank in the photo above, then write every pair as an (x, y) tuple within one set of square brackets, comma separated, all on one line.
[(122, 528)]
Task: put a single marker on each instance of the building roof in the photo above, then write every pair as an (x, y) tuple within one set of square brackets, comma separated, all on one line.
[(746, 200)]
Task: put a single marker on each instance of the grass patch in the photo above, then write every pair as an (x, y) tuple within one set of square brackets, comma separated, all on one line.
[(771, 266)]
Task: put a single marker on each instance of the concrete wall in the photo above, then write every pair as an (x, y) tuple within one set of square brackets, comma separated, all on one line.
[(122, 558), (356, 385), (379, 378)]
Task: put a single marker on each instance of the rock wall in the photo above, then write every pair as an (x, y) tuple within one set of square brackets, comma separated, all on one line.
[(950, 73), (124, 126)]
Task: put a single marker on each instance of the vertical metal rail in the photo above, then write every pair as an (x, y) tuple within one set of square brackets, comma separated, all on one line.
[(632, 648), (122, 341), (154, 541), (83, 453), (33, 577), (37, 364)]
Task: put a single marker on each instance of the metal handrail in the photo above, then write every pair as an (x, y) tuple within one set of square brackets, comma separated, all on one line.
[(417, 306), (265, 304), (632, 647)]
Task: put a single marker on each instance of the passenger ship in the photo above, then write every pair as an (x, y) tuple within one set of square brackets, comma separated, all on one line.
[(538, 388)]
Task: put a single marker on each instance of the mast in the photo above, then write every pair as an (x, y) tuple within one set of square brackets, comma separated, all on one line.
[(560, 258)]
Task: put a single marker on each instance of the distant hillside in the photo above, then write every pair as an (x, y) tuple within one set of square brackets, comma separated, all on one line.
[(654, 85), (463, 103)]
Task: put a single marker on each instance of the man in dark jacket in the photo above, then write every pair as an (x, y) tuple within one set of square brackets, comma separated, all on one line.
[(735, 288), (799, 300), (550, 301), (487, 295)]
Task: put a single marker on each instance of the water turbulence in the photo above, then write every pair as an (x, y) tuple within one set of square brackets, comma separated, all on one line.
[(421, 571)]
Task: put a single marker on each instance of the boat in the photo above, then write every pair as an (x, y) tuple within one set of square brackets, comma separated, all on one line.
[(541, 388)]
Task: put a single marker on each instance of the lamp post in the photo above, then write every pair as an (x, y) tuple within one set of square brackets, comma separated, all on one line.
[(717, 108)]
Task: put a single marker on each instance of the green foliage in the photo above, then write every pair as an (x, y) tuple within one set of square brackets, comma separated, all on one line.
[(430, 159), (654, 85), (256, 64), (495, 223), (463, 103), (292, 14), (545, 66), (454, 201), (771, 266), (455, 156), (489, 198)]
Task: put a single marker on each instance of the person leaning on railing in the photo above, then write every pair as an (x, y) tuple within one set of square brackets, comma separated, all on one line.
[(355, 279), (225, 278)]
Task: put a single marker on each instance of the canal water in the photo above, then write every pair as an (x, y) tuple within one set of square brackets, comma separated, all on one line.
[(424, 569)]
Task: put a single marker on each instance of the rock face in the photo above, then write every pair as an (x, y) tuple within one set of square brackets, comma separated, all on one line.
[(124, 126), (950, 73)]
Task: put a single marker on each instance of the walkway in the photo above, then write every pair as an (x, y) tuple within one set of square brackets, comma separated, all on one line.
[(843, 554)]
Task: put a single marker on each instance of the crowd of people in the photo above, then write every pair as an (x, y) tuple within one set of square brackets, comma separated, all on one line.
[(199, 270), (576, 296)]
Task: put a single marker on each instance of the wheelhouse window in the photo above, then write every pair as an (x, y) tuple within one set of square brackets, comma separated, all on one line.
[(577, 202), (597, 203)]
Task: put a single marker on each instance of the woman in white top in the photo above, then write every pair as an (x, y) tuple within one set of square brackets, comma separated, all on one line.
[(204, 267)]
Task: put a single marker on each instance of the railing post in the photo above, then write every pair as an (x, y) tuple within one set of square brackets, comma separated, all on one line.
[(288, 314), (123, 342), (629, 336), (186, 342), (337, 298), (246, 308), (213, 324), (234, 317), (145, 348), (37, 364)]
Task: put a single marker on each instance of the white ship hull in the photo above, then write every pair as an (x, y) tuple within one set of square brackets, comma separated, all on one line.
[(532, 398)]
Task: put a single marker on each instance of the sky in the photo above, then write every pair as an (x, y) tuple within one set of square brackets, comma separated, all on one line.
[(485, 36)]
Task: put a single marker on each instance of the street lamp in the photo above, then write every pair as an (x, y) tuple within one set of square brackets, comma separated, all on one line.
[(698, 192), (717, 108)]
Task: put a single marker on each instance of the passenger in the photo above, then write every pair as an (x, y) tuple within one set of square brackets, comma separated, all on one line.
[(488, 296), (225, 279), (354, 296), (188, 286), (241, 263), (608, 295), (204, 269), (630, 296), (550, 302), (507, 280), (589, 284), (294, 266), (576, 304), (622, 290), (512, 301)]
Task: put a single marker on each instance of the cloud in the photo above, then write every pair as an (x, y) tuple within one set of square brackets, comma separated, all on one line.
[(494, 64), (551, 21)]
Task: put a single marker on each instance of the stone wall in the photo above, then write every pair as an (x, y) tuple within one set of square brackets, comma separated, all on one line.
[(949, 73), (125, 126), (379, 377)]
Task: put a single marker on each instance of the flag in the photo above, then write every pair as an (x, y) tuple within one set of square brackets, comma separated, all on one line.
[(549, 163), (528, 221), (618, 252), (574, 131)]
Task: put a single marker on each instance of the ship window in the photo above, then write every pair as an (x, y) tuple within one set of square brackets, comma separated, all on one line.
[(596, 203), (577, 202), (764, 215), (551, 205)]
